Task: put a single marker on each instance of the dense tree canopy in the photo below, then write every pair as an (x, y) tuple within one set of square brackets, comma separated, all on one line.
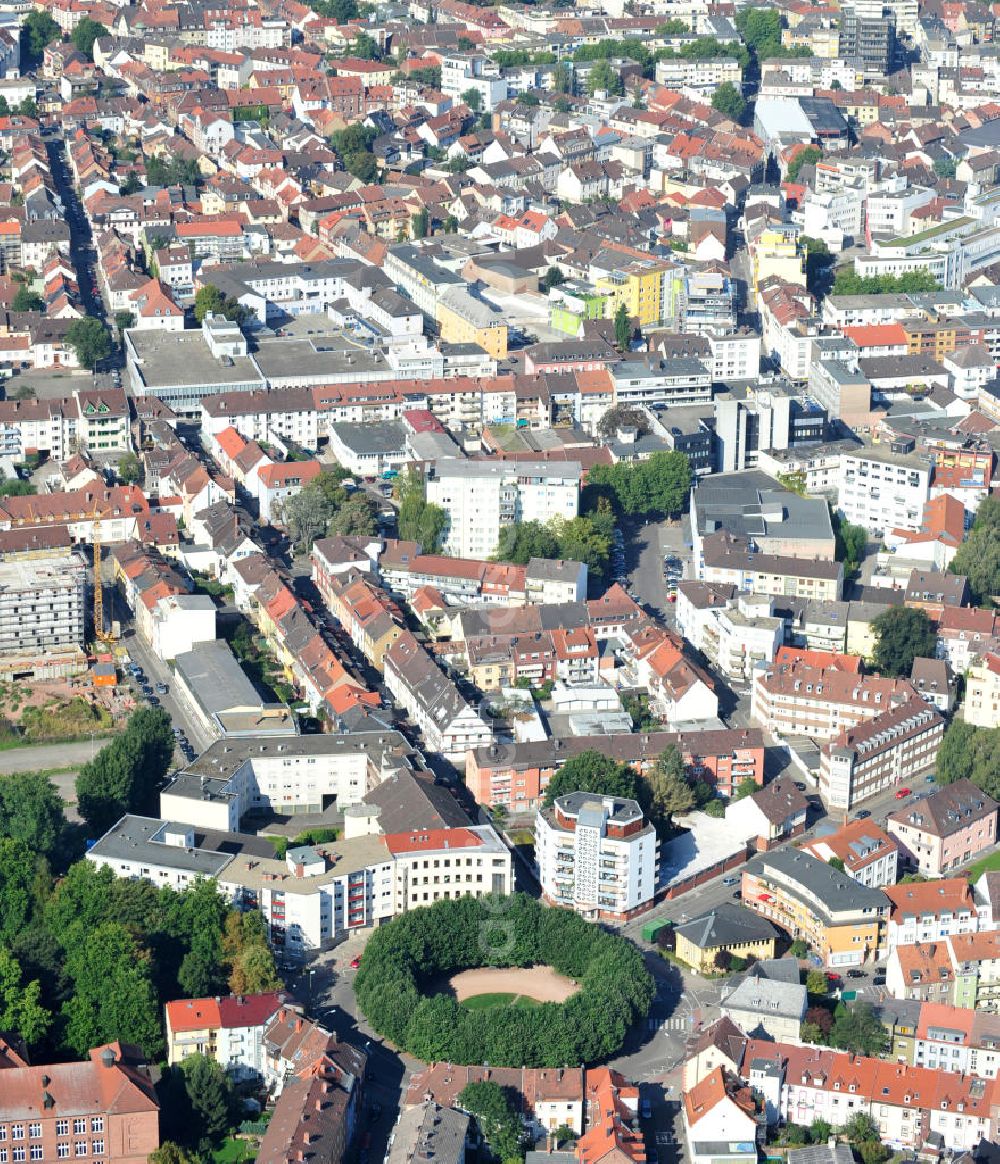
[(806, 157), (37, 31), (848, 282), (658, 485), (354, 147), (31, 812), (857, 1028), (498, 1117), (90, 340), (85, 33), (902, 635), (591, 771), (417, 948), (978, 557), (125, 775), (970, 753), (729, 101), (419, 519)]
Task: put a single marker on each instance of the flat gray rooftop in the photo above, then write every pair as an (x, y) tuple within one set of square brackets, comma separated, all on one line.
[(182, 358)]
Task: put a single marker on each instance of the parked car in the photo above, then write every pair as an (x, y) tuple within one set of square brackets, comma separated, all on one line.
[(356, 962), (162, 689), (878, 980), (864, 814), (855, 973), (903, 793)]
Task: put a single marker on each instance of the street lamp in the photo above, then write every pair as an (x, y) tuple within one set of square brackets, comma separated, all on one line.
[(310, 995)]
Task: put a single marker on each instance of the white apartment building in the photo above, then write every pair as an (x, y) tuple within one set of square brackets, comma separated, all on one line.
[(480, 498), (703, 76), (597, 855), (881, 490), (294, 774), (316, 894), (896, 747)]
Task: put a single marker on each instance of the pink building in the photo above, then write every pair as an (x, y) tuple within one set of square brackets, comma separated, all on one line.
[(946, 829)]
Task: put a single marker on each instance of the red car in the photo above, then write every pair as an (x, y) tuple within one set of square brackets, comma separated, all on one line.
[(903, 793), (356, 962)]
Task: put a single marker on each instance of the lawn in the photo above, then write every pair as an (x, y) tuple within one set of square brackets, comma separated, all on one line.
[(233, 1151), (984, 866), (488, 1001)]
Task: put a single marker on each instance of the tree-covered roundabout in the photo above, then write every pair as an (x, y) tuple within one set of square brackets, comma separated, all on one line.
[(407, 960)]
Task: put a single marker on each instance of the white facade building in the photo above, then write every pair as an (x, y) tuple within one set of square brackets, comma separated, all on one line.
[(883, 491), (480, 498), (597, 855)]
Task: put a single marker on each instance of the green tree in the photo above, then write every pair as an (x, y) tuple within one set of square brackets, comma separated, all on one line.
[(659, 485), (23, 880), (848, 282), (623, 416), (857, 1028), (552, 278), (861, 1129), (818, 258), (252, 969), (807, 157), (113, 995), (31, 812), (728, 101), (21, 1009), (129, 469), (474, 99), (902, 635), (623, 328), (837, 863), (817, 983), (591, 771), (27, 300), (170, 1153), (850, 541), (604, 77), (670, 791), (306, 515), (580, 541), (366, 47), (798, 948), (525, 540), (746, 787), (357, 517), (419, 520), (978, 557), (419, 224), (562, 78), (84, 35), (497, 1118), (125, 775), (124, 319), (37, 32), (211, 1097), (945, 167), (820, 1131), (90, 341), (354, 147), (209, 300)]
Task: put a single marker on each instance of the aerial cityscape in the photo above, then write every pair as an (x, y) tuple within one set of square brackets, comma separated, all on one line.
[(499, 582)]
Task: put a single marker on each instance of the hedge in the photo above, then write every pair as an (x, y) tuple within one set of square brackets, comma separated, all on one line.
[(405, 958)]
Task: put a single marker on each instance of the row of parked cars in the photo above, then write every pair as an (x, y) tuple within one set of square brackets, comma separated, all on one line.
[(151, 693)]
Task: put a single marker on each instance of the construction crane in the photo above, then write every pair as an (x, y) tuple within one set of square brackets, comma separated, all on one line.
[(102, 635)]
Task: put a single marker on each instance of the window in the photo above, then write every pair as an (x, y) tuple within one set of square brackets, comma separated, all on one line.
[(62, 1151), (36, 1152), (18, 1155), (79, 1127), (17, 1131), (35, 1131), (97, 1147), (80, 1148), (62, 1127), (97, 1124)]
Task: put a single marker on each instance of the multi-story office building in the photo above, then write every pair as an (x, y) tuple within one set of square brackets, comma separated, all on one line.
[(597, 855), (42, 615), (481, 498), (895, 747), (870, 38)]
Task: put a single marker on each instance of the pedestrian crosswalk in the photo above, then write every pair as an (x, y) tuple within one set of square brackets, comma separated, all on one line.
[(671, 1024)]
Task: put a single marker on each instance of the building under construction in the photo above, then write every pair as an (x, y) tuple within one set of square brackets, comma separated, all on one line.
[(43, 615)]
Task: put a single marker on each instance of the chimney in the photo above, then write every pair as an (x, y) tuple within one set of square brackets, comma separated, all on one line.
[(298, 1025), (108, 1057)]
